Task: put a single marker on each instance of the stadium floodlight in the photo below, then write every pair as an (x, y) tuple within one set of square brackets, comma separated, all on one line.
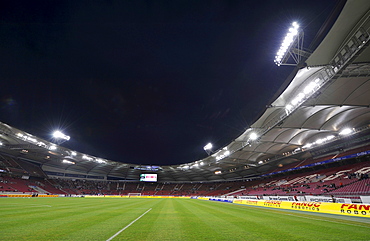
[(288, 107), (68, 162), (223, 155), (98, 160), (87, 158), (318, 142), (52, 147), (253, 136), (291, 47), (346, 131), (208, 148), (308, 90), (60, 135)]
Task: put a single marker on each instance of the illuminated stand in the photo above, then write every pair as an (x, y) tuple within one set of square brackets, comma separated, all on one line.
[(292, 47)]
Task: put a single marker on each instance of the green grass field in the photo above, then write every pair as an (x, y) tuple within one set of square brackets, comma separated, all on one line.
[(168, 219)]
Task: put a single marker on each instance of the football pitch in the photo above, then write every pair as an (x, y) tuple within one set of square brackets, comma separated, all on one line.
[(166, 219)]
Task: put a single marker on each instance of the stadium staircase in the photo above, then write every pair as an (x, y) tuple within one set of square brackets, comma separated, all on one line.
[(38, 189)]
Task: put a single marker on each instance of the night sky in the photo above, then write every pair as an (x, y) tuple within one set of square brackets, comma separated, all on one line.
[(145, 82)]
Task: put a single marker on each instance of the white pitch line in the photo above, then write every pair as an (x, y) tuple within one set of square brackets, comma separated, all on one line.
[(352, 224), (35, 205), (128, 225)]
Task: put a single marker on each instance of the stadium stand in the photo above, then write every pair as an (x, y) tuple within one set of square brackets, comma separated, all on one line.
[(347, 177)]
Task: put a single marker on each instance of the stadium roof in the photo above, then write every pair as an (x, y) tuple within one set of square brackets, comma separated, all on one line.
[(325, 105)]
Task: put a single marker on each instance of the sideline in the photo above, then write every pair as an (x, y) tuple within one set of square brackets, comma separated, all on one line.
[(128, 225), (296, 213), (23, 204), (325, 220)]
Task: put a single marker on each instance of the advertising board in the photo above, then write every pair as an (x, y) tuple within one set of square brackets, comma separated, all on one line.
[(349, 209)]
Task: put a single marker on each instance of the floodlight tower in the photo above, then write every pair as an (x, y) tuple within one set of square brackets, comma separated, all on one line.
[(60, 138), (292, 47), (208, 148)]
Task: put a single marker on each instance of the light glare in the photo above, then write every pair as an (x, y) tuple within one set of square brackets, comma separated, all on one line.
[(208, 146), (253, 136), (68, 162), (52, 148), (288, 40), (345, 131), (60, 135)]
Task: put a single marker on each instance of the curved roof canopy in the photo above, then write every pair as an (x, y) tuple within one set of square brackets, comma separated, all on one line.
[(326, 103)]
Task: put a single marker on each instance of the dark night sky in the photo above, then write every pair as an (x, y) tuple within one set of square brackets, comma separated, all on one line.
[(146, 82)]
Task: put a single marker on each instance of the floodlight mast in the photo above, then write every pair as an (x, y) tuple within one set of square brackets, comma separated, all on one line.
[(292, 48)]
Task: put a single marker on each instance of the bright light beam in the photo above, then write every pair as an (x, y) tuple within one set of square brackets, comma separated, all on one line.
[(60, 135), (285, 46), (208, 148)]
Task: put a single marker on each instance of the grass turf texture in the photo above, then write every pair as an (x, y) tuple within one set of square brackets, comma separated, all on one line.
[(169, 219)]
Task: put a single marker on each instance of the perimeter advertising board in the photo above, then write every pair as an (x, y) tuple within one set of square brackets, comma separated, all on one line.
[(280, 198), (349, 209)]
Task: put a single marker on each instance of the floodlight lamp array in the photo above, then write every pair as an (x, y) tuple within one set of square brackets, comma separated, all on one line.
[(311, 88), (27, 138), (346, 131), (208, 147), (288, 40), (52, 147), (319, 142), (101, 161), (85, 157), (60, 135), (68, 162), (253, 136), (224, 153)]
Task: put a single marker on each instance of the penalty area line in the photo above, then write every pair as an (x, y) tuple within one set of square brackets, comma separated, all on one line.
[(128, 225)]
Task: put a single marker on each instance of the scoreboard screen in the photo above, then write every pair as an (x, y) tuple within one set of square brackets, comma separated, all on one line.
[(148, 177)]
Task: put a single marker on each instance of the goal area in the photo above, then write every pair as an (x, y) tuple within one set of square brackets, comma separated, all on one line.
[(134, 194)]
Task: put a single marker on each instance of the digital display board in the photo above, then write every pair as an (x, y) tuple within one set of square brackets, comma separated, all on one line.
[(148, 177), (147, 168)]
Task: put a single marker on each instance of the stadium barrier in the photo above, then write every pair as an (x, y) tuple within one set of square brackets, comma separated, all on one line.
[(365, 199), (203, 198), (126, 196), (349, 209), (248, 197), (280, 198), (226, 200), (28, 195)]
